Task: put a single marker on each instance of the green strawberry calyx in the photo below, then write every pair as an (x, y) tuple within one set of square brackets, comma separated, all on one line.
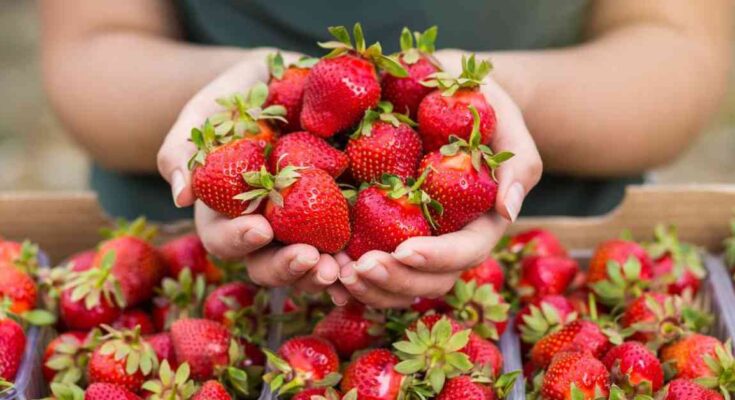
[(235, 379), (138, 228), (384, 113), (284, 379), (722, 366), (332, 394), (95, 283), (66, 391), (243, 111), (36, 317), (541, 321), (171, 384), (479, 152), (277, 67), (267, 185), (185, 295), (27, 260), (249, 323), (434, 353), (473, 73), (69, 360), (425, 44), (479, 307), (623, 283), (673, 319), (686, 257), (343, 45), (128, 344), (411, 190)]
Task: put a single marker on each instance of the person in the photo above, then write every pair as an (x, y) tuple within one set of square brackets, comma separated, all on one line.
[(607, 89)]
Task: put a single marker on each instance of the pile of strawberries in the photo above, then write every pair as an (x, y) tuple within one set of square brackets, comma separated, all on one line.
[(630, 326), (413, 139)]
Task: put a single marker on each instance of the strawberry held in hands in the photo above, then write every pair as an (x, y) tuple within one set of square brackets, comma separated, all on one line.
[(407, 92), (302, 149), (384, 143), (344, 84), (446, 112), (461, 179), (286, 87), (387, 214), (304, 205)]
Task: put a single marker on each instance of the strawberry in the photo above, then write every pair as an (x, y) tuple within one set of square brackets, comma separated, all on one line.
[(188, 252), (228, 297), (286, 87), (543, 316), (212, 390), (108, 391), (302, 361), (305, 206), (25, 256), (19, 287), (342, 85), (632, 365), (543, 276), (461, 179), (82, 261), (685, 389), (130, 319), (488, 272), (12, 346), (349, 328), (407, 92), (463, 388), (483, 353), (479, 307), (65, 358), (177, 299), (123, 359), (536, 242), (688, 356), (217, 168), (575, 375), (388, 213), (318, 393), (302, 149), (643, 310), (374, 376), (425, 304), (618, 271), (9, 252), (171, 384), (384, 143), (447, 112), (163, 346), (579, 333), (677, 264), (203, 344)]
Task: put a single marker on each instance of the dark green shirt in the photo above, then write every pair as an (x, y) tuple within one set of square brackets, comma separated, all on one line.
[(298, 24)]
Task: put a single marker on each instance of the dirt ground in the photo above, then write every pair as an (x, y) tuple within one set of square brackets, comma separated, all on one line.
[(35, 154)]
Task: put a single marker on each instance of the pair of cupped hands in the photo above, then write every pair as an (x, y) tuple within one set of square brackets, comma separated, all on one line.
[(419, 267)]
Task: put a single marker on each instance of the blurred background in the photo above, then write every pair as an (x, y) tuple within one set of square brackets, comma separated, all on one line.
[(35, 154)]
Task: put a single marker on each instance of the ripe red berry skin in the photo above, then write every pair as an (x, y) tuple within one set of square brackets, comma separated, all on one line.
[(108, 391), (336, 94), (537, 242), (104, 368), (163, 346), (634, 360), (574, 367), (288, 91), (19, 287), (482, 352), (406, 93), (373, 376), (684, 389), (310, 356), (620, 251), (543, 276), (129, 319), (440, 117), (75, 315), (463, 388), (686, 281), (574, 335), (302, 149), (638, 312), (488, 272), (687, 355), (347, 328), (188, 252), (212, 390), (387, 150), (215, 306), (12, 346), (202, 343)]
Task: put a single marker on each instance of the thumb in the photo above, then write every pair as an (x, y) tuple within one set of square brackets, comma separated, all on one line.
[(173, 159)]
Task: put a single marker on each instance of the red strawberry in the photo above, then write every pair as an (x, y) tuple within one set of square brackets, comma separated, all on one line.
[(579, 333), (484, 353), (163, 346), (687, 356), (407, 92), (341, 86), (683, 280), (304, 206), (9, 252), (82, 261), (108, 391), (130, 319), (461, 179), (543, 276), (676, 264), (384, 143), (374, 376), (430, 320), (286, 87), (425, 304), (177, 299), (18, 287), (481, 308), (542, 316), (388, 213), (349, 328), (685, 389), (302, 149), (228, 297), (217, 169), (202, 343), (642, 311), (488, 272), (302, 361), (123, 359), (632, 364), (446, 112), (212, 390), (579, 369), (188, 252), (618, 251), (536, 242), (91, 298), (463, 388), (12, 346), (65, 357)]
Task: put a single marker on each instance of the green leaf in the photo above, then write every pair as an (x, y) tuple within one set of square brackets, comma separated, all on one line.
[(410, 366)]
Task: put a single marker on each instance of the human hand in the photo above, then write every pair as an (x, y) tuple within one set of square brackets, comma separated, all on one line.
[(429, 266), (246, 237)]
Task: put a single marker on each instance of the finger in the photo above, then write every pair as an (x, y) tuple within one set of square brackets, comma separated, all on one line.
[(339, 295), (342, 258), (385, 272), (324, 274), (454, 251), (231, 239), (279, 266), (518, 175), (369, 294)]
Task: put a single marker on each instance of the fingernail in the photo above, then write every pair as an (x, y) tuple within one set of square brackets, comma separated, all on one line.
[(514, 200), (177, 185), (338, 303), (378, 273), (347, 275), (301, 263), (409, 257), (256, 236), (365, 265), (325, 278)]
